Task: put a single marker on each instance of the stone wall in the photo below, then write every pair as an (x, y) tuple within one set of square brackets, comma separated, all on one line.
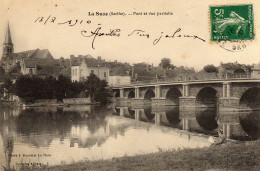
[(77, 101), (229, 103), (158, 101), (124, 101), (187, 102), (239, 89)]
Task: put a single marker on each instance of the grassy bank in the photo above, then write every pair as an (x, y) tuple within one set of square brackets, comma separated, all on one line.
[(235, 156)]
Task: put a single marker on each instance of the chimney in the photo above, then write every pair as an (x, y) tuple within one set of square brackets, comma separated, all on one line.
[(99, 58)]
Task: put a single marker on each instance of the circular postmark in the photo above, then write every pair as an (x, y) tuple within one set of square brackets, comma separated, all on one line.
[(233, 46)]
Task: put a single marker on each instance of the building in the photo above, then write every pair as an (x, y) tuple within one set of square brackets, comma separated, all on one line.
[(233, 70), (119, 76), (33, 62), (41, 67), (65, 68), (7, 61), (83, 66), (256, 71)]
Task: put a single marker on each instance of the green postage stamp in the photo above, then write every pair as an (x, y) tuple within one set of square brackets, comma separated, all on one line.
[(232, 22)]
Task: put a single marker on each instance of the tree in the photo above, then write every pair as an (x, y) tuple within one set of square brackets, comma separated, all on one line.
[(210, 68), (63, 87), (25, 88), (98, 90), (30, 88), (166, 63), (7, 86)]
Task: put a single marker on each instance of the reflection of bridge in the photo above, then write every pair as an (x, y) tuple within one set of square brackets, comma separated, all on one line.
[(234, 124), (224, 93)]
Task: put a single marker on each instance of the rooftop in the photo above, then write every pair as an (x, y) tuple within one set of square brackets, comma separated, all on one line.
[(89, 60)]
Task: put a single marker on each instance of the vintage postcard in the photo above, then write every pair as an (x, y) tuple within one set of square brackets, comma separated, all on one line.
[(129, 85)]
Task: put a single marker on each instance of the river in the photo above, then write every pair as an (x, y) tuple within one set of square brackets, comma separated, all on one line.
[(60, 135)]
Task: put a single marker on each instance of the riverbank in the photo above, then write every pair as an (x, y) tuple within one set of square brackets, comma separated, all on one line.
[(50, 102), (231, 156)]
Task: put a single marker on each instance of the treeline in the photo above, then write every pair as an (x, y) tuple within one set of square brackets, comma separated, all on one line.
[(30, 88)]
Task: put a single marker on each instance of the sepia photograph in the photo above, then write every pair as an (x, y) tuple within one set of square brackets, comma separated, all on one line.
[(132, 85)]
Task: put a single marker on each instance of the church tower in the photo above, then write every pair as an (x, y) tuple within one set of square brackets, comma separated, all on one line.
[(8, 47)]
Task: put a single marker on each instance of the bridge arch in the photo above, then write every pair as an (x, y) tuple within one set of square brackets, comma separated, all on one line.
[(207, 97), (250, 98), (117, 94), (149, 94), (131, 95), (172, 96)]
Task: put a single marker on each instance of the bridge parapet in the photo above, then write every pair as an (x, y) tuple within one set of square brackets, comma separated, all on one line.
[(173, 81)]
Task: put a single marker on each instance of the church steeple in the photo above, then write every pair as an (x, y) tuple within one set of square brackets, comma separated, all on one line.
[(8, 46), (8, 38)]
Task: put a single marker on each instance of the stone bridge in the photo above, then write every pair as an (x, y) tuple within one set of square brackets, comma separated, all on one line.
[(224, 94)]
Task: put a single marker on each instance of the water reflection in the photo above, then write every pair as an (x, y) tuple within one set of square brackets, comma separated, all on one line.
[(116, 110), (236, 125), (78, 132), (207, 118), (171, 117), (148, 113), (250, 123)]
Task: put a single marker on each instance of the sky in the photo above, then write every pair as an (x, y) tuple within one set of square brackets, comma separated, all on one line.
[(62, 40)]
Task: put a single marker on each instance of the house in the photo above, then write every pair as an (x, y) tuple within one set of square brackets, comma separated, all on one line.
[(232, 70), (65, 68), (42, 67), (83, 66), (256, 71), (119, 76)]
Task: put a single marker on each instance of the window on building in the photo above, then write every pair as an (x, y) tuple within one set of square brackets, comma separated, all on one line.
[(105, 74), (76, 72), (73, 72), (92, 71), (30, 70)]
